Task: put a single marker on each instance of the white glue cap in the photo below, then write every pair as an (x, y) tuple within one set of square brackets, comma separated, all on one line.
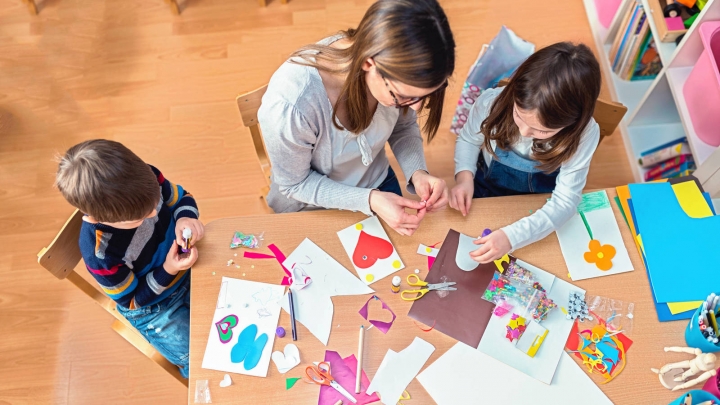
[(396, 281), (187, 233)]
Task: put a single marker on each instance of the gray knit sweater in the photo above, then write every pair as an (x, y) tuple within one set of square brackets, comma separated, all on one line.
[(316, 165)]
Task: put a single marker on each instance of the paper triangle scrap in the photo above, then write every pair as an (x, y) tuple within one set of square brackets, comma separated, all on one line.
[(289, 382)]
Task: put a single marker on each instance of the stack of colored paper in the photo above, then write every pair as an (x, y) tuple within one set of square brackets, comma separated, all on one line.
[(675, 230)]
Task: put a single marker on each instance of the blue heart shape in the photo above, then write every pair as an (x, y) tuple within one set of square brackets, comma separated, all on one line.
[(248, 349)]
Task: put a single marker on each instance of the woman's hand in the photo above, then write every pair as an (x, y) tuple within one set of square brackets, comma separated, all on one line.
[(462, 194), (391, 208), (431, 189), (494, 246)]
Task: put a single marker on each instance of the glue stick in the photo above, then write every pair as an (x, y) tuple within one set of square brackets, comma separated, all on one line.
[(395, 287)]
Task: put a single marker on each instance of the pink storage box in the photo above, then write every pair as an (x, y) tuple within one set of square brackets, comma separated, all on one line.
[(702, 88), (711, 385)]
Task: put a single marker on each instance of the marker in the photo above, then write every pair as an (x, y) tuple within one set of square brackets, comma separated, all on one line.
[(710, 299), (715, 302), (292, 315), (358, 373), (187, 236), (688, 400), (340, 402)]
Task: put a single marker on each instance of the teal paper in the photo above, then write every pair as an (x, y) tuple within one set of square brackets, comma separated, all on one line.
[(682, 254)]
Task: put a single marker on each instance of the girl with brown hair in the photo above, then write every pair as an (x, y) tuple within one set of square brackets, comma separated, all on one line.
[(329, 111), (535, 135)]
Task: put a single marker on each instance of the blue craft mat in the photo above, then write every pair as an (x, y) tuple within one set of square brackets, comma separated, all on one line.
[(665, 225), (662, 309)]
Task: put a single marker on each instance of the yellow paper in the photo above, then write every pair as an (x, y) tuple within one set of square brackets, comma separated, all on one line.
[(678, 307), (692, 200)]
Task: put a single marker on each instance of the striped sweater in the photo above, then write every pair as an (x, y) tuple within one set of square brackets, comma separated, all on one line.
[(128, 263)]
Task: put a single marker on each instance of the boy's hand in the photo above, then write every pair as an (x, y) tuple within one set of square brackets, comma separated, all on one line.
[(195, 226), (176, 262), (462, 194), (494, 246)]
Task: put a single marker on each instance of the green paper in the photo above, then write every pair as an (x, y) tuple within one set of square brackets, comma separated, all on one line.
[(622, 211), (587, 226), (289, 382)]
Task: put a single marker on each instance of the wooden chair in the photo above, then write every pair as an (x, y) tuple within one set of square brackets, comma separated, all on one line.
[(32, 7), (249, 104), (60, 259), (607, 114)]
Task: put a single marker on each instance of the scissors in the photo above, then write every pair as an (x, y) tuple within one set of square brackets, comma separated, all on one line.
[(415, 281), (320, 375)]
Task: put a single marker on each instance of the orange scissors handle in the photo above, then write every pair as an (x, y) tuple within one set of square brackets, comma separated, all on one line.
[(319, 374), (414, 280)]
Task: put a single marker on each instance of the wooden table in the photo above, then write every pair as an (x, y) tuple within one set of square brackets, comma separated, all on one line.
[(635, 385)]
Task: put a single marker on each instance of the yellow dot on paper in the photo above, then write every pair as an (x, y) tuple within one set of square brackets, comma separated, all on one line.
[(429, 250), (358, 226), (369, 278), (564, 310), (396, 264), (569, 276), (600, 255)]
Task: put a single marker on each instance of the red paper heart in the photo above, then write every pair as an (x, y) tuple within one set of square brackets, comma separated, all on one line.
[(369, 249)]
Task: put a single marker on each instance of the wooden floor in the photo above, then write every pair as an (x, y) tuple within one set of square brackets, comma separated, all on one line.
[(164, 85)]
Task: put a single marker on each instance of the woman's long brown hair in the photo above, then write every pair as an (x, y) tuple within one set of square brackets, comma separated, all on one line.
[(561, 83), (410, 42)]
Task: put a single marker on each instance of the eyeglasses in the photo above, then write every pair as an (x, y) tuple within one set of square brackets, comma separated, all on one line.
[(410, 100)]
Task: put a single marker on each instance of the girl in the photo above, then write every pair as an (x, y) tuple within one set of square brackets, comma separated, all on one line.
[(535, 135), (330, 109)]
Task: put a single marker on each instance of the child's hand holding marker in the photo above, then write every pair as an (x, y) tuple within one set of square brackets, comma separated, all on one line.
[(494, 246), (196, 228)]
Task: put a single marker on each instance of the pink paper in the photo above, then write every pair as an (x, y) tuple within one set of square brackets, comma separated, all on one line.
[(343, 371), (382, 326), (279, 256), (431, 260)]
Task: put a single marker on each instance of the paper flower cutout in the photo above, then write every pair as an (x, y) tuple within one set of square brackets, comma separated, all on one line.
[(601, 255)]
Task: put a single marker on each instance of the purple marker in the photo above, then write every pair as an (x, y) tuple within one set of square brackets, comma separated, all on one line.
[(486, 232)]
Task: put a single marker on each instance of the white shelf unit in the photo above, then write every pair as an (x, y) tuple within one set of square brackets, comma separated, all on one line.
[(657, 112)]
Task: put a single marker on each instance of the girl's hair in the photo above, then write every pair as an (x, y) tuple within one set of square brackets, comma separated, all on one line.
[(561, 83), (409, 40)]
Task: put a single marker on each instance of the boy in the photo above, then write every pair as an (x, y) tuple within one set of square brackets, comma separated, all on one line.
[(129, 239)]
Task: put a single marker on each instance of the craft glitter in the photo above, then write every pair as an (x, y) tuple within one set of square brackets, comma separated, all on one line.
[(240, 239)]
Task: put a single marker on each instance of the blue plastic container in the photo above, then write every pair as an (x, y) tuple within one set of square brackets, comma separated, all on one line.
[(698, 396), (695, 338)]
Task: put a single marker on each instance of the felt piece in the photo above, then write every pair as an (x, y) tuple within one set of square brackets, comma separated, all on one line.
[(462, 254), (290, 382), (665, 266), (370, 250), (225, 326), (343, 371), (287, 359), (464, 314), (248, 350), (382, 326)]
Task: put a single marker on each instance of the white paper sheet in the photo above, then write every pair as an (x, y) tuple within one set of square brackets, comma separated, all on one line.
[(574, 239), (462, 254), (427, 251), (372, 262), (543, 366), (244, 299), (397, 370), (464, 375), (313, 305)]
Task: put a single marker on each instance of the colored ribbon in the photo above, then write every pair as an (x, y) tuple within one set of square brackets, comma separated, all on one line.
[(382, 326), (278, 255)]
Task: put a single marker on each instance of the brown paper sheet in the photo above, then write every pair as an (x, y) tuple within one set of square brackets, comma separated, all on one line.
[(462, 314)]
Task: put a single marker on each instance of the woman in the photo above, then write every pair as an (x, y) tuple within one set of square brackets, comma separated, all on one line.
[(330, 109)]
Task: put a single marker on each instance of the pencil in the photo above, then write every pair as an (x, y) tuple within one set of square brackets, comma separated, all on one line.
[(338, 402), (688, 400), (292, 315), (358, 374)]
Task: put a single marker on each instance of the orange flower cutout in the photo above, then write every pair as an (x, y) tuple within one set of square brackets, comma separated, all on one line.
[(601, 255)]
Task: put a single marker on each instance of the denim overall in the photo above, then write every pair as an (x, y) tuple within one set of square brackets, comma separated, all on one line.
[(511, 174)]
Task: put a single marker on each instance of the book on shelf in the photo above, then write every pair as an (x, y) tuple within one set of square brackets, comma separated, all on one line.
[(633, 54), (664, 152), (657, 172), (682, 170), (648, 65), (623, 33), (637, 35)]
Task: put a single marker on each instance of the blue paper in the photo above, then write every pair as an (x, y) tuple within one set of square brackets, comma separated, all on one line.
[(248, 349), (677, 248)]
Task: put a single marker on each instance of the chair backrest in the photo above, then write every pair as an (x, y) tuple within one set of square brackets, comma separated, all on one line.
[(63, 253), (607, 114), (249, 104)]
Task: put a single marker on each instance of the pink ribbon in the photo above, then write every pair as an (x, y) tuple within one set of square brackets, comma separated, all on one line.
[(279, 256)]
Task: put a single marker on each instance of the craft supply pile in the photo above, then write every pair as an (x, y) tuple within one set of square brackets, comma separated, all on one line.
[(527, 323)]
